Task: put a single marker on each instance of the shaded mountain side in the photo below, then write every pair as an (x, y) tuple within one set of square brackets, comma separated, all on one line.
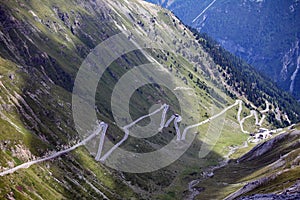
[(264, 33), (42, 47)]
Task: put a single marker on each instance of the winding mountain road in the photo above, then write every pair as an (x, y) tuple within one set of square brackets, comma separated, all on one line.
[(103, 129), (207, 120), (126, 130), (57, 154)]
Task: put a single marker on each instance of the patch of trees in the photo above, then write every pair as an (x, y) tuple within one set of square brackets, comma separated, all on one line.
[(246, 81)]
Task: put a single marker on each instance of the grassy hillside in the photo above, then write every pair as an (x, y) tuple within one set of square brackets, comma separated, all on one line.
[(42, 47)]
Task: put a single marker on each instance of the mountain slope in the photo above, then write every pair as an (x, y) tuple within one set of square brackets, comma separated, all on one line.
[(270, 169), (43, 44), (263, 33)]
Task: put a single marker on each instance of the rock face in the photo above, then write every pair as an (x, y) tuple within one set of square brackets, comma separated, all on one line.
[(268, 146), (264, 33), (282, 162), (272, 196), (272, 171), (263, 148)]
